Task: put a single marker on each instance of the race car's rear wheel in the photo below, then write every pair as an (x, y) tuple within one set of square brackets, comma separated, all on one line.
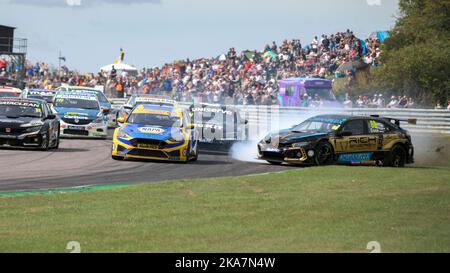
[(397, 157), (324, 154), (275, 162)]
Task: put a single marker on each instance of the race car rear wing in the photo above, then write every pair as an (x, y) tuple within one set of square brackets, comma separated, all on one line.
[(397, 121)]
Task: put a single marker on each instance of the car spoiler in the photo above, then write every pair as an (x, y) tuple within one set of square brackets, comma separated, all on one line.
[(397, 121)]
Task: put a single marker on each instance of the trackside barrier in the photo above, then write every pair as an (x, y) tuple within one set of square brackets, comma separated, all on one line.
[(428, 120)]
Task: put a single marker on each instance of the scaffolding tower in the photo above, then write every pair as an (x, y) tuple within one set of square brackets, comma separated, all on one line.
[(14, 51)]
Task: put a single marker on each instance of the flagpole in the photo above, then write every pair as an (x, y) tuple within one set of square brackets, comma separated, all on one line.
[(59, 63)]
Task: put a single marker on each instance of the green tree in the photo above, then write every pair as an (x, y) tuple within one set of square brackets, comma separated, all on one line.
[(416, 57)]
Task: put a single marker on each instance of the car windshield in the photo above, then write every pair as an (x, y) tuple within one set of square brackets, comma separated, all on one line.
[(316, 126), (77, 103), (100, 96), (321, 93), (155, 119), (15, 111)]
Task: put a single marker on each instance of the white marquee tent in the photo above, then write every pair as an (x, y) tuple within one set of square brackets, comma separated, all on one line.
[(119, 67)]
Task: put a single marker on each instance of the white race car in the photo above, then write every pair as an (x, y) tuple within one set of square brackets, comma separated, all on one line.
[(80, 115)]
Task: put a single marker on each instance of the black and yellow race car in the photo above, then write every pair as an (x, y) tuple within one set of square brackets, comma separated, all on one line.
[(330, 139)]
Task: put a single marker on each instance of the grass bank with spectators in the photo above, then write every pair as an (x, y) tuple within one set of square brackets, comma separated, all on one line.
[(308, 209)]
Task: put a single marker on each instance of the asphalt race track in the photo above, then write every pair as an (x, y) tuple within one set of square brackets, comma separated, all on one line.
[(81, 162), (88, 162)]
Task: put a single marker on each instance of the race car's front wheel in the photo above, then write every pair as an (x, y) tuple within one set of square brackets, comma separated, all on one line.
[(57, 141), (117, 157), (45, 145), (398, 157), (324, 154), (194, 153)]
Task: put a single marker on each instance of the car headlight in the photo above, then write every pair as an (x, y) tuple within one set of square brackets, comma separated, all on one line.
[(299, 144), (33, 129), (122, 134), (173, 140)]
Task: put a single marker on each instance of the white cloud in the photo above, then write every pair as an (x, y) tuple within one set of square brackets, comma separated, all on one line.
[(374, 2), (79, 3)]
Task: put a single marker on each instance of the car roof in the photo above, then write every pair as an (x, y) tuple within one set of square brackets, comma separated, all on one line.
[(343, 117), (68, 94), (306, 79), (23, 100), (10, 89), (153, 96), (87, 91), (40, 90), (75, 88)]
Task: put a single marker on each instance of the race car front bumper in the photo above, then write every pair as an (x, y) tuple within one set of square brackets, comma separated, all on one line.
[(131, 148), (292, 155), (32, 139), (92, 130)]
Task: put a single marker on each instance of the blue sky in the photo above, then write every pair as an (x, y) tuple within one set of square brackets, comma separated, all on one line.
[(90, 32)]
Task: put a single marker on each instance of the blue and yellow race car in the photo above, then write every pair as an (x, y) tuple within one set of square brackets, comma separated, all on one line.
[(157, 133)]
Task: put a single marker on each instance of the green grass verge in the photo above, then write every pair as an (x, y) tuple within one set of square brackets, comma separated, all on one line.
[(323, 209)]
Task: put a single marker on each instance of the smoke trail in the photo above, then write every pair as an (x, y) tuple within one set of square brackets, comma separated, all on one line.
[(431, 149), (247, 151)]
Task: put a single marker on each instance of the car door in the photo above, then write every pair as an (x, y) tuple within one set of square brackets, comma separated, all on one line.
[(358, 140), (384, 133)]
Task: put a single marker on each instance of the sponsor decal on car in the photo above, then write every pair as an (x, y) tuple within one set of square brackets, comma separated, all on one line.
[(147, 146), (355, 157), (21, 103), (211, 110), (151, 130)]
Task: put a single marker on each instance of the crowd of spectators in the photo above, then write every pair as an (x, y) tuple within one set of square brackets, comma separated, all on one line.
[(250, 77), (378, 101), (440, 107)]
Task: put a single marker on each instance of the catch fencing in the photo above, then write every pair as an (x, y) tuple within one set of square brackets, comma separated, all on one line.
[(428, 120)]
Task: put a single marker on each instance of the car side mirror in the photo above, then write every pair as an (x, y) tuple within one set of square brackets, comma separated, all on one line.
[(51, 116), (245, 122), (121, 120), (127, 107), (344, 134), (190, 126), (105, 111)]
